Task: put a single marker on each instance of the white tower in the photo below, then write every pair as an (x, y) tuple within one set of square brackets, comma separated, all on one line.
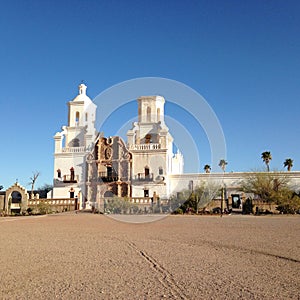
[(151, 146), (71, 146)]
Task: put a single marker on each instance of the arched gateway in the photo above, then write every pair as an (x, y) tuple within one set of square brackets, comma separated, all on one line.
[(16, 199)]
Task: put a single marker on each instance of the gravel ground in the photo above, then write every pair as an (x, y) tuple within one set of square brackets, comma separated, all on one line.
[(86, 256)]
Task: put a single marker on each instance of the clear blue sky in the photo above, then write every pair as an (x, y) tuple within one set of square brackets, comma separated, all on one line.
[(243, 57)]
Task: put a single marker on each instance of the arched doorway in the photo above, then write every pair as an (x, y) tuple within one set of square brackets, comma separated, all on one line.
[(16, 199), (108, 194), (16, 202)]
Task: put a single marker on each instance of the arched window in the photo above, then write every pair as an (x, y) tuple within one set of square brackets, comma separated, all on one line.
[(108, 194), (72, 192), (160, 171), (148, 138), (77, 115), (74, 143), (148, 114), (139, 113), (147, 172), (158, 114), (72, 175), (58, 173)]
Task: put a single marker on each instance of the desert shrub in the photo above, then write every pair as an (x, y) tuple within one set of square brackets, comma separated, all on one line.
[(178, 211), (43, 208), (118, 205), (289, 204)]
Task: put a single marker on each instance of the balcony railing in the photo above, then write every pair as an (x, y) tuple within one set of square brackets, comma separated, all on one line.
[(70, 179), (73, 149), (143, 177), (145, 147), (59, 201), (141, 200), (107, 177)]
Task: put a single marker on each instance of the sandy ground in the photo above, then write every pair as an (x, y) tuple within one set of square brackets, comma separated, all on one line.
[(86, 256)]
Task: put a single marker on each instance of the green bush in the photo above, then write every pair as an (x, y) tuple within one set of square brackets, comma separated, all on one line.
[(178, 211), (43, 208), (289, 205)]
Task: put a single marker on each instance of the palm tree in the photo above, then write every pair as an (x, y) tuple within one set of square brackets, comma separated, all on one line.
[(222, 164), (207, 168), (288, 163), (267, 157)]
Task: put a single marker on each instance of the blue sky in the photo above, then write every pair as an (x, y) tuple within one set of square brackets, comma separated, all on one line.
[(243, 57)]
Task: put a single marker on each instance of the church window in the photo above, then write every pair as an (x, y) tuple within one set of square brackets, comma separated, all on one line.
[(160, 171), (147, 172), (148, 139), (72, 175), (146, 193), (72, 193), (109, 171), (58, 173), (77, 118), (148, 114), (139, 113), (158, 114), (74, 143)]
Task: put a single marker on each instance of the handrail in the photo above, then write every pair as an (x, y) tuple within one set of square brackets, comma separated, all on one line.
[(145, 146), (73, 149)]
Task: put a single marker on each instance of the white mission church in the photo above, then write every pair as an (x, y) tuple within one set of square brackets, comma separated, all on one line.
[(91, 167)]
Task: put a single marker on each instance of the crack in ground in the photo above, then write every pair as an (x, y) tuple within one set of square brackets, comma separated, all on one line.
[(233, 247), (167, 280)]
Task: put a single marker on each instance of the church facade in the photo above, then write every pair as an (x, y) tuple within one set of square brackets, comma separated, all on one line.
[(90, 167)]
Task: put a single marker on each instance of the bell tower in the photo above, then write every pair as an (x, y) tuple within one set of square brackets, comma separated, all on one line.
[(72, 145), (151, 145)]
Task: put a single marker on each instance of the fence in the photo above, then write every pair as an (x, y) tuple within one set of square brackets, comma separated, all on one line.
[(55, 205)]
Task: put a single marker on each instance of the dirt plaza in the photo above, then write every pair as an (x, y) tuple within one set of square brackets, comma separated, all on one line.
[(89, 256)]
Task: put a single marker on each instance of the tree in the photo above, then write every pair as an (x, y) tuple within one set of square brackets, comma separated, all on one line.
[(222, 164), (44, 189), (267, 157), (33, 179), (205, 193), (288, 163), (268, 187), (1, 187), (207, 168)]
